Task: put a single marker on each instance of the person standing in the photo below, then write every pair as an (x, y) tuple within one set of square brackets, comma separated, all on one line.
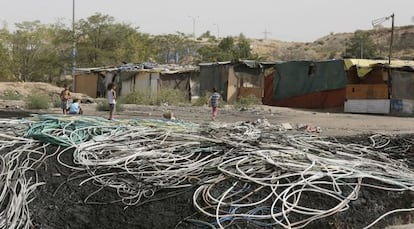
[(214, 102), (111, 94), (64, 97)]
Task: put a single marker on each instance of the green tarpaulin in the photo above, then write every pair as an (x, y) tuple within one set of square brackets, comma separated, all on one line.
[(296, 78)]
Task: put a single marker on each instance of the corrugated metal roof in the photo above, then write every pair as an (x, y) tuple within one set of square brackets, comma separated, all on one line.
[(364, 66), (215, 63), (249, 63), (370, 63), (144, 67)]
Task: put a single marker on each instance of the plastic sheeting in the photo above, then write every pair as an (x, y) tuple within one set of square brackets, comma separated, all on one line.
[(303, 77), (402, 85), (364, 66), (214, 76)]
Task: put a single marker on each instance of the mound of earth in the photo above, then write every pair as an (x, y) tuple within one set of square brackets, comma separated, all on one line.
[(20, 90)]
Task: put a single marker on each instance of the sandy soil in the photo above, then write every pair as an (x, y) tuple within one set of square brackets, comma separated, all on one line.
[(331, 122)]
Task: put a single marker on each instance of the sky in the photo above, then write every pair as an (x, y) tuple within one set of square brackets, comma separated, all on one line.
[(288, 20)]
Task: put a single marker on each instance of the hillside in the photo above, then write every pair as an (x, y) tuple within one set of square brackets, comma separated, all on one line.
[(333, 46)]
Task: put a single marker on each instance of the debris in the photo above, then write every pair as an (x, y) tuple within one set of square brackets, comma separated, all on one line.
[(309, 128), (168, 115), (287, 126), (56, 174)]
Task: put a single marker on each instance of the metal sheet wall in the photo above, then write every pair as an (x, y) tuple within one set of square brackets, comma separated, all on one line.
[(402, 85)]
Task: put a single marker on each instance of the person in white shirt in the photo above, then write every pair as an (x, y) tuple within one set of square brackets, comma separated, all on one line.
[(111, 94)]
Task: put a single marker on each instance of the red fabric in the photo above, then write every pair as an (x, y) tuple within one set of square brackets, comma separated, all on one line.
[(214, 112)]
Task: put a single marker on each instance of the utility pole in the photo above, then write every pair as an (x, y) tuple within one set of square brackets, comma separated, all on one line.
[(73, 40), (379, 21), (361, 49), (218, 30), (392, 38), (266, 33), (194, 26)]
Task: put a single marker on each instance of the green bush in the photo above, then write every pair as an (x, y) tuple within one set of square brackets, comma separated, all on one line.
[(201, 101), (104, 106), (56, 102), (170, 96), (138, 97), (10, 94), (245, 102), (37, 101)]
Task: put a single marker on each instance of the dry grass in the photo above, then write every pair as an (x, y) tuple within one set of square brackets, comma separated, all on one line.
[(333, 46)]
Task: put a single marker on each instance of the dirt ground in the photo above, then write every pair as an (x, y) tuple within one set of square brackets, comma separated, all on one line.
[(60, 203), (332, 122)]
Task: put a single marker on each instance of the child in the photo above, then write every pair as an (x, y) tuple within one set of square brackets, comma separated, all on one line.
[(214, 102), (75, 107), (111, 99), (64, 97)]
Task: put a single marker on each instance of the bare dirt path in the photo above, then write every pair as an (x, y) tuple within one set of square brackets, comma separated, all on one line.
[(331, 123)]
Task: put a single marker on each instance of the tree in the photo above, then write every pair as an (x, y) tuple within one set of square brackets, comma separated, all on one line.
[(207, 35), (226, 44), (227, 49), (212, 53), (95, 40), (242, 49), (27, 48), (5, 60), (102, 41), (361, 46), (173, 48)]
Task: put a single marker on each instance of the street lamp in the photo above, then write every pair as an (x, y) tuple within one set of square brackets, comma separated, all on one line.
[(379, 21), (194, 25), (218, 30), (73, 40)]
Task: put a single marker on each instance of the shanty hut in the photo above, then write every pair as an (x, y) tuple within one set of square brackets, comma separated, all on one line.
[(377, 87), (93, 81), (306, 84), (233, 79), (402, 84), (149, 78)]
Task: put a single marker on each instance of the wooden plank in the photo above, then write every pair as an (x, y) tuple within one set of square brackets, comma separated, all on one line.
[(366, 91)]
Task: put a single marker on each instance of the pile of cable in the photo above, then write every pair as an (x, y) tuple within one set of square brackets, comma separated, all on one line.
[(19, 156), (253, 172), (293, 184)]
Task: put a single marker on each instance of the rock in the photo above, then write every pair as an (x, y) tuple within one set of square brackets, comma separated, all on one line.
[(168, 115)]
